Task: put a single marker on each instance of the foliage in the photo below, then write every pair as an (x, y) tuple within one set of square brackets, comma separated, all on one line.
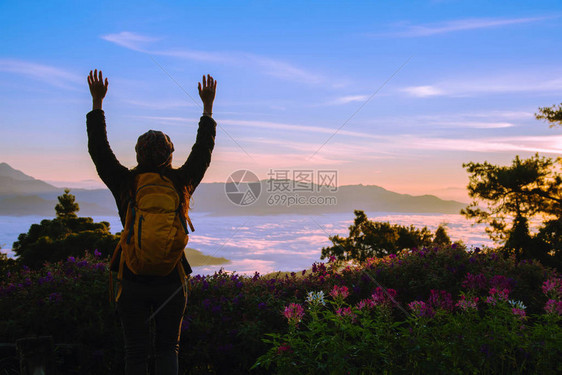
[(483, 332), (513, 195), (69, 301), (67, 207), (6, 264), (228, 314), (66, 235), (441, 237), (552, 115), (368, 239)]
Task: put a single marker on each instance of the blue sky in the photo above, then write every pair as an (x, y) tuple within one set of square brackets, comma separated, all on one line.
[(415, 88)]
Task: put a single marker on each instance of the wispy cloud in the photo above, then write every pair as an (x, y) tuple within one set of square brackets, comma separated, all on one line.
[(160, 104), (472, 124), (514, 83), (49, 74), (270, 125), (546, 144), (409, 31), (348, 99), (273, 67), (423, 91), (130, 40)]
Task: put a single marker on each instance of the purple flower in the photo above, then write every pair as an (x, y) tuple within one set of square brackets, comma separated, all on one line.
[(97, 254), (206, 303), (475, 282), (100, 266), (501, 282), (71, 260), (262, 306), (54, 297)]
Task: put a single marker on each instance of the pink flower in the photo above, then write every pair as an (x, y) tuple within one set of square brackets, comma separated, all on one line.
[(501, 282), (346, 312), (553, 288), (467, 304), (294, 313), (518, 312), (441, 300), (339, 292), (284, 348), (497, 295), (365, 304), (383, 296), (553, 307), (421, 309)]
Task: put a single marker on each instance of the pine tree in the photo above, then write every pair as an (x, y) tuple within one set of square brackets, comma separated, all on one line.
[(441, 236), (67, 206)]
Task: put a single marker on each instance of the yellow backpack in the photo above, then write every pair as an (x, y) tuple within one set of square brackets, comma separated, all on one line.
[(155, 233)]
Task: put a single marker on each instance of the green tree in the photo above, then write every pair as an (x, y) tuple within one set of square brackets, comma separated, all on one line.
[(368, 239), (552, 115), (441, 237), (67, 207), (512, 196), (64, 236)]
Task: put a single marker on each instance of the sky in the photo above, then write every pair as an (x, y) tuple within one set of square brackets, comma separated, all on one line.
[(397, 94)]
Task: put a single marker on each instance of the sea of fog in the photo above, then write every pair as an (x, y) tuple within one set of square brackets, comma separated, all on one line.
[(270, 243)]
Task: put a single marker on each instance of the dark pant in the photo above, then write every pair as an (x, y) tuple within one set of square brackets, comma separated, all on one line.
[(137, 303)]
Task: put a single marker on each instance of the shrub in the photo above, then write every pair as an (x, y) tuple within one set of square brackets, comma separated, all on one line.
[(229, 315)]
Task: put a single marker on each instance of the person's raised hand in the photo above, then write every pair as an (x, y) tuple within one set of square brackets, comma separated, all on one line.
[(98, 88), (207, 92)]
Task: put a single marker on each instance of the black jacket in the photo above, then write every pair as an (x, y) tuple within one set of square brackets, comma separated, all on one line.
[(119, 179)]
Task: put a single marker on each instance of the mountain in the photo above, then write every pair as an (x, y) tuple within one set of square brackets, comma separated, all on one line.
[(211, 197), (21, 194)]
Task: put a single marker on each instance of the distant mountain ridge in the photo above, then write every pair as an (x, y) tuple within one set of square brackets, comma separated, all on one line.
[(21, 194)]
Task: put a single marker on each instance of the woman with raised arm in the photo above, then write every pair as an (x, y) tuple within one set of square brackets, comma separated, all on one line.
[(152, 200)]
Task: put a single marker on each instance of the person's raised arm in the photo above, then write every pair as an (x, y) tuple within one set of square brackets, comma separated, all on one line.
[(200, 157), (108, 167), (207, 94), (98, 88)]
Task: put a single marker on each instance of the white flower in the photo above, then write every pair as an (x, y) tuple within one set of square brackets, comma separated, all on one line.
[(517, 304), (315, 298)]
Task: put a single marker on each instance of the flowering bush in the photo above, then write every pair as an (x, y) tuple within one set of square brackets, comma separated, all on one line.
[(418, 311), (69, 301), (434, 338)]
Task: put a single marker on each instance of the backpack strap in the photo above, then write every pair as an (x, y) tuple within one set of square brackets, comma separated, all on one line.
[(184, 219)]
